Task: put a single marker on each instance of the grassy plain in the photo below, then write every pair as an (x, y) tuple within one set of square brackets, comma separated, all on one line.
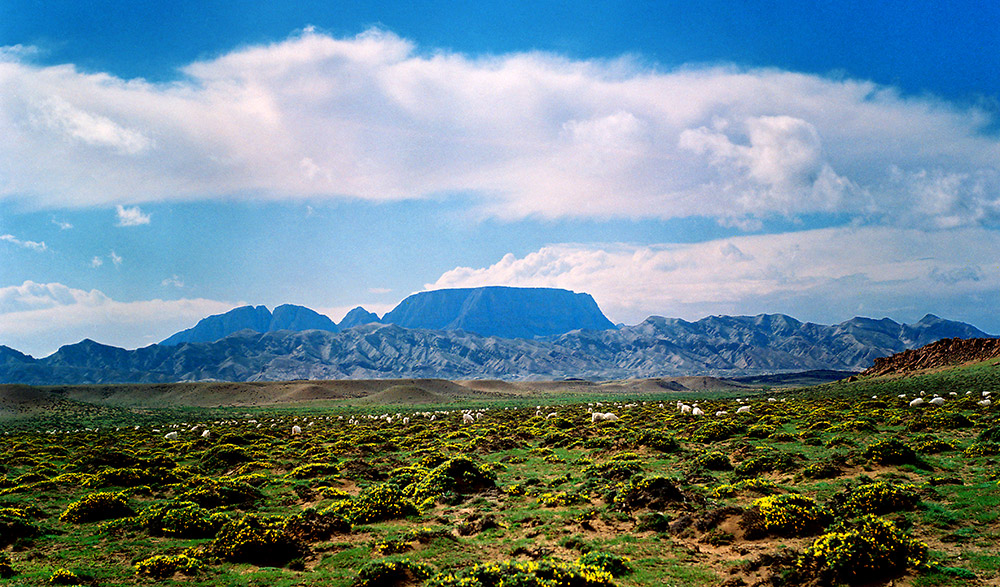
[(389, 485)]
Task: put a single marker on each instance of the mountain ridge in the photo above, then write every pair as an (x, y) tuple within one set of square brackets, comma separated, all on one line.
[(657, 347)]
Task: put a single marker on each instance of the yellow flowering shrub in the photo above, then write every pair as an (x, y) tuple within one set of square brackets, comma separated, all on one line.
[(383, 501), (64, 577), (786, 514), (384, 572), (252, 539), (872, 548), (880, 497), (162, 566), (104, 505), (15, 523), (542, 573)]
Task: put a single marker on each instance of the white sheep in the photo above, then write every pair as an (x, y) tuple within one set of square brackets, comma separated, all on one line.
[(296, 429), (550, 416), (743, 409), (938, 401), (603, 417), (696, 411), (171, 436), (984, 403), (467, 419), (917, 402), (206, 433), (685, 409), (722, 413)]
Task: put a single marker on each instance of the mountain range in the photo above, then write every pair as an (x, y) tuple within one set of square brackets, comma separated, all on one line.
[(507, 312), (551, 334)]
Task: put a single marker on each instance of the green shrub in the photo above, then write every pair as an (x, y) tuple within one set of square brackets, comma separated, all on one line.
[(391, 572), (715, 431), (222, 492), (640, 492), (64, 577), (618, 468), (542, 573), (16, 524), (785, 514), (872, 548), (616, 566), (130, 477), (890, 451), (460, 475), (560, 499), (713, 460), (184, 519), (251, 539), (766, 462), (162, 566), (991, 434), (311, 470), (983, 449), (880, 497), (821, 471), (659, 441), (383, 501), (97, 506), (6, 569)]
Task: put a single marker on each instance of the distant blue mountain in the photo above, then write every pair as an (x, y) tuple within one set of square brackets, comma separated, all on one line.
[(255, 318), (357, 317), (507, 312)]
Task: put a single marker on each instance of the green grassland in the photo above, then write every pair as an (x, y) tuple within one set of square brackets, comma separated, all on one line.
[(841, 483)]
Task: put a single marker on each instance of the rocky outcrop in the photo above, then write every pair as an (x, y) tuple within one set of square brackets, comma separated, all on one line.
[(943, 353)]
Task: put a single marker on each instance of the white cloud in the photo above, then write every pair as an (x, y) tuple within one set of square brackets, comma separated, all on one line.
[(115, 258), (526, 135), (63, 120), (131, 216), (96, 262), (824, 275), (33, 245), (62, 224), (37, 318), (173, 281)]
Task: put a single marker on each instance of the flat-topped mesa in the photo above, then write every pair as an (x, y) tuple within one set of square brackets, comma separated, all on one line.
[(506, 312)]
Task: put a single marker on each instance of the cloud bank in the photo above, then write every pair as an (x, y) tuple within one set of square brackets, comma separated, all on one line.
[(864, 271), (38, 318), (524, 135)]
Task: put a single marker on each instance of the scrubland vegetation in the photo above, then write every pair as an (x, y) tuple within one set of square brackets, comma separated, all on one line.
[(837, 484)]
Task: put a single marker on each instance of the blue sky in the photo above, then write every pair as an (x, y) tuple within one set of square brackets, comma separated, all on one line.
[(165, 161)]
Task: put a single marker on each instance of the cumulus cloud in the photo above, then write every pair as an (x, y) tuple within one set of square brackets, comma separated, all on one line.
[(37, 318), (33, 245), (131, 216), (96, 262), (523, 135), (823, 275), (115, 258)]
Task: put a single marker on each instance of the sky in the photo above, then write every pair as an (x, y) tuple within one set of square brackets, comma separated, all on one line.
[(164, 161)]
